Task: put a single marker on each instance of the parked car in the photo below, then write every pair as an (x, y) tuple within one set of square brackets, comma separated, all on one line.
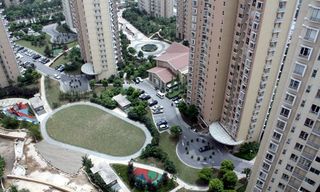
[(157, 111), (36, 57), (162, 122), (136, 80), (139, 79), (155, 107), (57, 76), (163, 127), (205, 148), (60, 68), (144, 96), (160, 94), (176, 102), (152, 102), (176, 98)]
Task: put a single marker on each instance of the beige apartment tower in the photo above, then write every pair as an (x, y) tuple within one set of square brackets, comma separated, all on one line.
[(289, 157), (67, 12), (157, 8), (183, 20), (8, 65), (236, 51), (97, 27)]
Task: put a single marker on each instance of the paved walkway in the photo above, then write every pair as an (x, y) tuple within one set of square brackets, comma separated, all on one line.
[(138, 39), (47, 138)]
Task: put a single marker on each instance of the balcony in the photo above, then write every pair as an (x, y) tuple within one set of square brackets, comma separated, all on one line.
[(314, 145)]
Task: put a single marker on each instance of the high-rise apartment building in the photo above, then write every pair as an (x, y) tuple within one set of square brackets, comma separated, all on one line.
[(8, 65), (289, 157), (9, 3), (183, 20), (236, 51), (67, 12), (157, 8), (98, 35)]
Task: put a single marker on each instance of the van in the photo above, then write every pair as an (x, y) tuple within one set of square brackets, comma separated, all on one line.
[(160, 94)]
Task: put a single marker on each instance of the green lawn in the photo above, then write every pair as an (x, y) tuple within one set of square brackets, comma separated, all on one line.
[(122, 172), (63, 60), (53, 92), (39, 49), (168, 145), (94, 129)]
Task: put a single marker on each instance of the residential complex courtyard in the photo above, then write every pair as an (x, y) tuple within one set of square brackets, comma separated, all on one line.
[(94, 129)]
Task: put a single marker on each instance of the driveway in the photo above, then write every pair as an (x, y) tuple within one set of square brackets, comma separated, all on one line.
[(190, 142), (56, 36)]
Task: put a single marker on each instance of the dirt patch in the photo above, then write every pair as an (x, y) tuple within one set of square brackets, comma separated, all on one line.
[(7, 152)]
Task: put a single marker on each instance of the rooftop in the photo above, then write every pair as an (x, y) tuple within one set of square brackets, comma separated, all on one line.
[(105, 172), (177, 55), (88, 69), (221, 135), (121, 100), (164, 74)]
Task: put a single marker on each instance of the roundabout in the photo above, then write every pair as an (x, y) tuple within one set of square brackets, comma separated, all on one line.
[(89, 127)]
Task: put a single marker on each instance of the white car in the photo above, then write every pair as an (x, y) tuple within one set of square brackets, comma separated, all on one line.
[(163, 126), (157, 111), (57, 76), (153, 108)]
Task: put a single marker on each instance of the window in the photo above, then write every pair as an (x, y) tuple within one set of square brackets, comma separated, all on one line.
[(303, 190), (311, 34), (318, 94), (281, 186), (299, 69), (269, 157), (308, 122), (314, 73), (266, 166), (315, 14), (298, 147), (281, 124), (276, 136), (315, 109), (294, 157), (308, 89), (315, 171), (285, 112), (294, 84), (289, 167), (259, 183), (262, 175), (310, 181), (304, 163), (303, 135), (289, 98), (285, 177), (305, 52), (273, 147)]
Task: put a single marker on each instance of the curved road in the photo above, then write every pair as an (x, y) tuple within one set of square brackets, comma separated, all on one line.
[(47, 138)]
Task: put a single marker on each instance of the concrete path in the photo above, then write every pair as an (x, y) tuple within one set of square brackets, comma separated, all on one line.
[(47, 138)]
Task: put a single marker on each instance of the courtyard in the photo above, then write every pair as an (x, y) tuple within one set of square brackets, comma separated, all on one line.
[(94, 129)]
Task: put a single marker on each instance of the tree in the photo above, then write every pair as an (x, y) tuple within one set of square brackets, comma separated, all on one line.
[(2, 166), (193, 112), (227, 165), (140, 54), (215, 185), (92, 83), (206, 174), (176, 131), (132, 51), (104, 83), (229, 180), (247, 171), (47, 51)]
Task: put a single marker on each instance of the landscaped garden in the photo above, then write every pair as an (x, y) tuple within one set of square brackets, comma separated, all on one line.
[(94, 129)]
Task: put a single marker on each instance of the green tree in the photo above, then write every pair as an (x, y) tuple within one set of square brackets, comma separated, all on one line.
[(227, 165), (176, 131), (206, 174), (140, 54), (193, 112), (215, 185), (47, 51), (229, 180), (247, 171), (92, 83), (132, 51), (104, 83)]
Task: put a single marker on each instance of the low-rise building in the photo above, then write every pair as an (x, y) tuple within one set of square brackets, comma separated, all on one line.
[(172, 67), (122, 101)]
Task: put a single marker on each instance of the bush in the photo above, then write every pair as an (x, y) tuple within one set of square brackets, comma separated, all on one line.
[(206, 174), (229, 180), (215, 185), (15, 91), (248, 150), (9, 122), (2, 166)]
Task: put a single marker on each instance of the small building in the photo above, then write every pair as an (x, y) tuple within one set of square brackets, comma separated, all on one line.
[(122, 101), (171, 65), (107, 175), (37, 104)]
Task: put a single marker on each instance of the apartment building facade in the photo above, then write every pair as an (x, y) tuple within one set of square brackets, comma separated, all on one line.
[(9, 71), (98, 35), (289, 157), (183, 20), (67, 12), (236, 51), (157, 8)]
